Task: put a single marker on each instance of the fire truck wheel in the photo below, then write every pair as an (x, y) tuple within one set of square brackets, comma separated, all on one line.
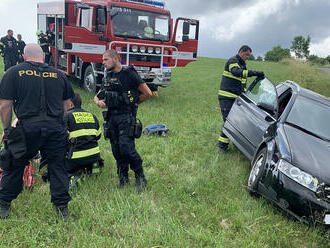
[(89, 82)]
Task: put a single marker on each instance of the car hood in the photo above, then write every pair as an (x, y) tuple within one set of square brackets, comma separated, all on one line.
[(309, 153)]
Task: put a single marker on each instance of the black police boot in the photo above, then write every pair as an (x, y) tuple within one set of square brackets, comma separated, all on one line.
[(123, 179), (4, 209), (62, 212), (140, 181)]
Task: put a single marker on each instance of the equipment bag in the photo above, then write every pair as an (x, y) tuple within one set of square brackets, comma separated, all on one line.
[(137, 129), (28, 177)]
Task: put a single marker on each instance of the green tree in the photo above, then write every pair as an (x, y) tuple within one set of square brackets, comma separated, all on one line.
[(277, 53), (300, 46), (259, 58), (328, 58), (252, 57)]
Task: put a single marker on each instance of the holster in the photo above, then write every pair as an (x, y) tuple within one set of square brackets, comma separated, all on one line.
[(16, 141)]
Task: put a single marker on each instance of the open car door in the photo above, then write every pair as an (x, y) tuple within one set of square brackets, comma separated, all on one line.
[(252, 113)]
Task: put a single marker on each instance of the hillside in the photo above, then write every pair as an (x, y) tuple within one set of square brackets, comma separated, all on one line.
[(195, 197)]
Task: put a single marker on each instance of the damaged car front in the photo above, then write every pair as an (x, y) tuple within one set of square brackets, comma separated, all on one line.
[(297, 177)]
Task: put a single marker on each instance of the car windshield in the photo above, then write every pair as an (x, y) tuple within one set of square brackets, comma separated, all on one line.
[(311, 116), (139, 24)]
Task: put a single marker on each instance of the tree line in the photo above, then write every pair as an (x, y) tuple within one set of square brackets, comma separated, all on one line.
[(300, 48)]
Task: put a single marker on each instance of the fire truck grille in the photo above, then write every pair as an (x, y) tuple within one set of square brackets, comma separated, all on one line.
[(141, 58)]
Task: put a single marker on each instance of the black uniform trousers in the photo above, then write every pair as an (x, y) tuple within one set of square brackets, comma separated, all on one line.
[(50, 138), (123, 143), (86, 163), (9, 61), (225, 106)]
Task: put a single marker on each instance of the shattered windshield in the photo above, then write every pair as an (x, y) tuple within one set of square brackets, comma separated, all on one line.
[(139, 24), (311, 116)]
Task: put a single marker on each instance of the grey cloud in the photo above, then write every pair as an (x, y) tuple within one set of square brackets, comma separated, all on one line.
[(305, 18)]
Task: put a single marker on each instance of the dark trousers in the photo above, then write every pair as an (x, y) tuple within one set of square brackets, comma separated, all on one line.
[(123, 144), (225, 106), (50, 138), (74, 165), (9, 61)]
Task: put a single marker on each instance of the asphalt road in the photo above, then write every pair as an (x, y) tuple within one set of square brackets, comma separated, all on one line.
[(325, 69)]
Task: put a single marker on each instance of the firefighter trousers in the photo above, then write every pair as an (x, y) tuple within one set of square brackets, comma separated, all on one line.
[(50, 138), (123, 143), (9, 61), (225, 106)]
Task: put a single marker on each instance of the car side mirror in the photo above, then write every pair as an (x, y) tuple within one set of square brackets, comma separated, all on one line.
[(186, 28)]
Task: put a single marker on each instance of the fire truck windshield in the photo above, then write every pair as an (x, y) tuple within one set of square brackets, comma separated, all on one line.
[(139, 24)]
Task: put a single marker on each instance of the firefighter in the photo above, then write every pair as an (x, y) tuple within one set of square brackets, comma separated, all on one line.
[(121, 91), (233, 83), (84, 132), (40, 96), (21, 46), (43, 41), (9, 50)]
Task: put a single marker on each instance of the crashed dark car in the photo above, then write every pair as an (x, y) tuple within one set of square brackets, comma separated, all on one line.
[(285, 131)]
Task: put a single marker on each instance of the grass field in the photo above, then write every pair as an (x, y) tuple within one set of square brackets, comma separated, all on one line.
[(195, 197)]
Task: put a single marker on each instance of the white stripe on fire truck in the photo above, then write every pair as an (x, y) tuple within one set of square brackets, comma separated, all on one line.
[(184, 55), (86, 48)]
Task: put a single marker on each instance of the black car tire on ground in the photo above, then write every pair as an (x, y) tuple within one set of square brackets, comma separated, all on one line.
[(257, 171), (89, 82)]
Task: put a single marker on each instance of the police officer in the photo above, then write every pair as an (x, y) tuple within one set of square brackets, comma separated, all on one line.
[(84, 132), (40, 96), (43, 41), (233, 83), (9, 50), (21, 45), (123, 89)]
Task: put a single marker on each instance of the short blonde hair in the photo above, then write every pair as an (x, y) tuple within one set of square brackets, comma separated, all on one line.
[(112, 53)]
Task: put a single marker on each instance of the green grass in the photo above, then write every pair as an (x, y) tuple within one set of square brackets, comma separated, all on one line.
[(195, 197)]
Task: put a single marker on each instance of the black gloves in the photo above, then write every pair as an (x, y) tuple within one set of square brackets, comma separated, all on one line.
[(259, 74)]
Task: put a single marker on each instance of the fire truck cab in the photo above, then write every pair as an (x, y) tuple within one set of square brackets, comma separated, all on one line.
[(141, 31)]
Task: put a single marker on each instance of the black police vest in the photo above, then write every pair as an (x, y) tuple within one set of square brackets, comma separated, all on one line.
[(116, 97)]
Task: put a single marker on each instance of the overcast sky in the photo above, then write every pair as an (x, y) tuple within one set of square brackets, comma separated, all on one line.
[(224, 25)]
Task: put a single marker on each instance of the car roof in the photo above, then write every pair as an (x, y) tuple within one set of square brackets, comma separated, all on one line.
[(282, 87)]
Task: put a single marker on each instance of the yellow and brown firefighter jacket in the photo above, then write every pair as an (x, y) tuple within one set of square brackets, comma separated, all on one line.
[(84, 132), (234, 78)]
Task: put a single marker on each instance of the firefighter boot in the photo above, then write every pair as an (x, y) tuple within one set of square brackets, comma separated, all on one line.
[(123, 179), (140, 181), (4, 209), (62, 212)]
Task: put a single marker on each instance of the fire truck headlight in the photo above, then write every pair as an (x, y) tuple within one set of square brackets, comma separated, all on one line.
[(150, 50), (157, 50), (142, 49), (134, 49)]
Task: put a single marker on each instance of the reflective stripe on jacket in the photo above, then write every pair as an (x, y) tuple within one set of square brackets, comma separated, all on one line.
[(84, 132), (234, 77)]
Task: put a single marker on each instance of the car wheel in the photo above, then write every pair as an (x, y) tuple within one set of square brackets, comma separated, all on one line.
[(257, 171), (89, 82)]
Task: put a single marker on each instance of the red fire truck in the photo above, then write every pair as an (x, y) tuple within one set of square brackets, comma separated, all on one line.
[(141, 31)]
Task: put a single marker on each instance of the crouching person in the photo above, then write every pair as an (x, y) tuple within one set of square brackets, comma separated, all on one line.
[(84, 152)]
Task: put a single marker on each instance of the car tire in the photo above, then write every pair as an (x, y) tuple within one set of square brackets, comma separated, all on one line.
[(257, 171), (89, 82)]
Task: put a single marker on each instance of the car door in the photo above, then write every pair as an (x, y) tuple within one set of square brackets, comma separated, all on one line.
[(251, 115)]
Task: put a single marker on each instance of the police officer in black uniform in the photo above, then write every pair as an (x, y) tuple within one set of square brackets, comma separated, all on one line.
[(9, 50), (233, 83), (84, 132), (39, 95), (121, 91), (21, 45)]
